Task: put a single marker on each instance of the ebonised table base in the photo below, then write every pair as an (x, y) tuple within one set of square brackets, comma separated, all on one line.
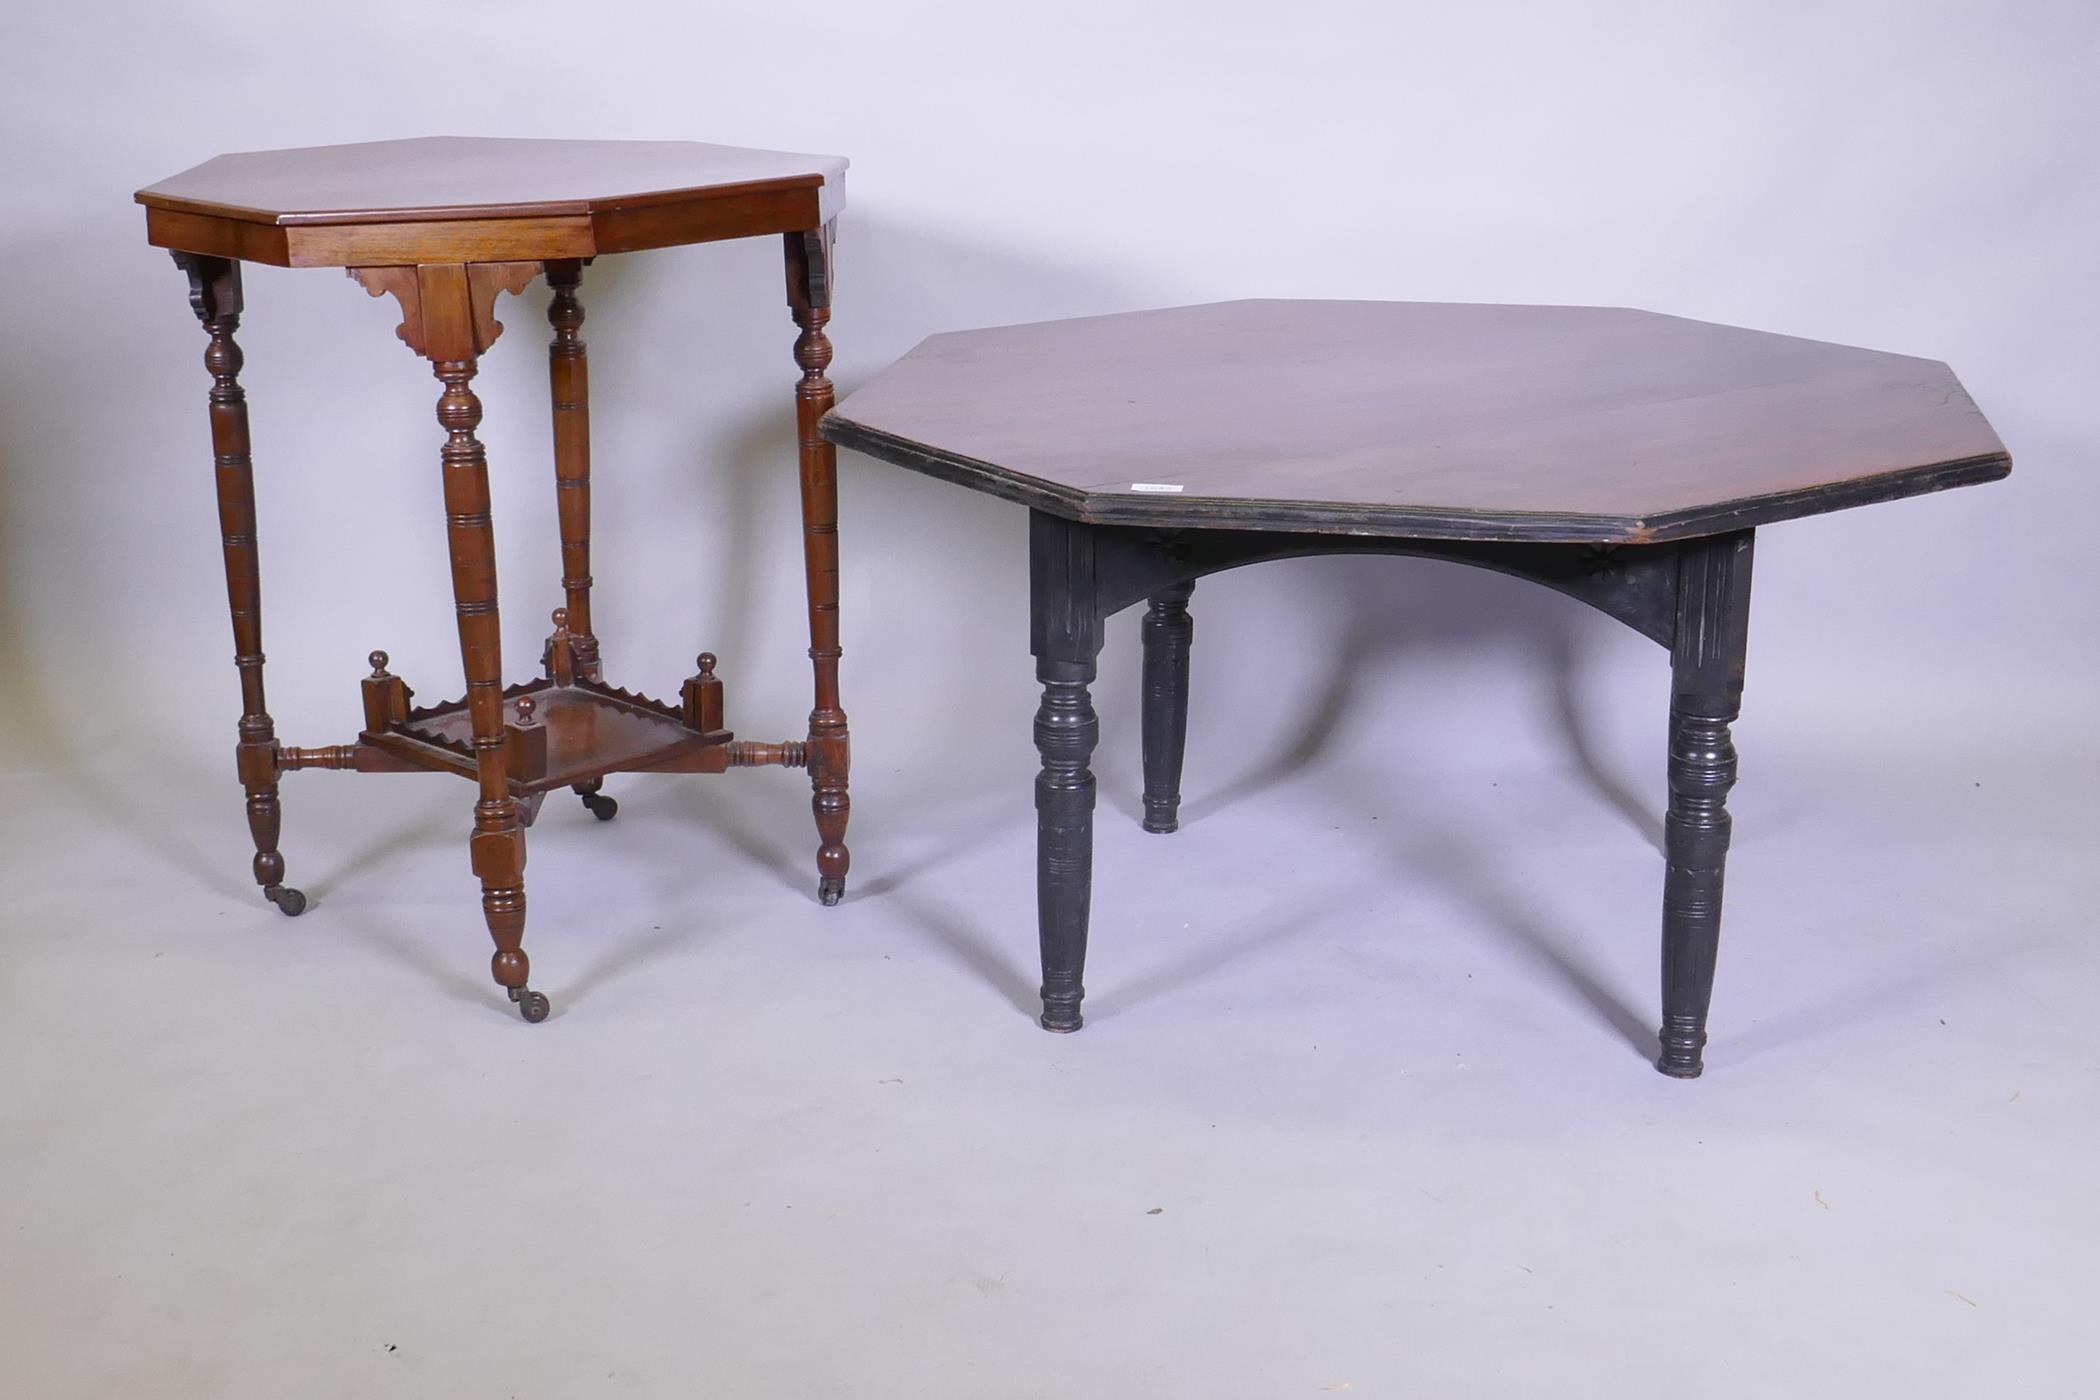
[(1691, 596)]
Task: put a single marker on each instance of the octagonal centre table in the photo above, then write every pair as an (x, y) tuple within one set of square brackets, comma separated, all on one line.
[(443, 225), (1623, 458)]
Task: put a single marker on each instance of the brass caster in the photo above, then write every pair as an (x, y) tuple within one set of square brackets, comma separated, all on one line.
[(531, 1005), (289, 901), (830, 890)]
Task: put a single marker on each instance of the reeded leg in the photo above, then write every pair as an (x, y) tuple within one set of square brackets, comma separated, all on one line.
[(1066, 639), (809, 300), (499, 833), (1706, 661), (1167, 630), (215, 295)]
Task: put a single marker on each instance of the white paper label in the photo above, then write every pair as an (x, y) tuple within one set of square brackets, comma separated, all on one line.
[(1166, 488)]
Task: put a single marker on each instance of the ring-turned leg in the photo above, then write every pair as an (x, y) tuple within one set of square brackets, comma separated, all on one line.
[(448, 317), (569, 386), (1167, 630), (569, 383), (215, 295), (1706, 693), (809, 301), (1066, 640), (499, 832)]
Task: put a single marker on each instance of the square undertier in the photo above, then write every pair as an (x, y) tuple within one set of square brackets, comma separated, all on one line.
[(591, 730)]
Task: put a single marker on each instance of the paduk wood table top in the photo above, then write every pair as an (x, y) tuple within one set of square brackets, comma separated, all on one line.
[(457, 198), (1421, 419)]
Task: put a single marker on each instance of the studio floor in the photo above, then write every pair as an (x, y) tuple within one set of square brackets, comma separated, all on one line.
[(1362, 1107)]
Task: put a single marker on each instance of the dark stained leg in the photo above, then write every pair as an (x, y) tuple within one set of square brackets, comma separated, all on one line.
[(1167, 630), (1706, 693), (1066, 640), (809, 300), (215, 295), (499, 833)]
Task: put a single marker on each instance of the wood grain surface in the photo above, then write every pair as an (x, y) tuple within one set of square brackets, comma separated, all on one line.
[(1421, 419)]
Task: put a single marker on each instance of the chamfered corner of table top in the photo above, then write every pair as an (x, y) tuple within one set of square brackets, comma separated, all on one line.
[(484, 199), (1421, 419)]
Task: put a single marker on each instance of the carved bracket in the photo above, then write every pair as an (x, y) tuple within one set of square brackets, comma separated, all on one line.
[(215, 285), (809, 268), (448, 310)]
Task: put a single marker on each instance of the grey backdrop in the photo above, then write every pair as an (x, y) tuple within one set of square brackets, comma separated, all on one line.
[(1918, 177)]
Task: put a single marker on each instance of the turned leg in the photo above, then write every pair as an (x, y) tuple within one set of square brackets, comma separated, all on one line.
[(569, 380), (499, 833), (215, 295), (1706, 663), (448, 317), (809, 300), (1167, 630), (569, 385), (1066, 639)]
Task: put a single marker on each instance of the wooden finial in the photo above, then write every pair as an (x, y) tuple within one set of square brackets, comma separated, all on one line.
[(378, 660), (525, 711), (559, 658), (702, 697)]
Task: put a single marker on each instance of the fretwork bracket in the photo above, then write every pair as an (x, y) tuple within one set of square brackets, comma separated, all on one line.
[(448, 310)]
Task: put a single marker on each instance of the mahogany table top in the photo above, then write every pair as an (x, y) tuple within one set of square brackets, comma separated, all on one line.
[(1417, 419), (457, 198)]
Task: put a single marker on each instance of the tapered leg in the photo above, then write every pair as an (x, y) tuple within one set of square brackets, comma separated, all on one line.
[(809, 300), (215, 295), (1065, 635), (1706, 662), (1167, 630), (499, 832)]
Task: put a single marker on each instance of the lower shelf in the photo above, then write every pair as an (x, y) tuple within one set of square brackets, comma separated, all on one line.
[(576, 732)]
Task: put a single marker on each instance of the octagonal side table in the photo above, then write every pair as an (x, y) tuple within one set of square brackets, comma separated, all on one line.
[(444, 224)]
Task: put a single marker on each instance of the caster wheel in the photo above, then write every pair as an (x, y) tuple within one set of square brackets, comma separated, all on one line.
[(602, 807), (289, 901), (830, 892), (531, 1005)]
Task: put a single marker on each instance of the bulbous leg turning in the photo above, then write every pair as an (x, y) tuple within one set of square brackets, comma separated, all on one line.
[(263, 817), (1702, 769), (1066, 731), (1706, 661)]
